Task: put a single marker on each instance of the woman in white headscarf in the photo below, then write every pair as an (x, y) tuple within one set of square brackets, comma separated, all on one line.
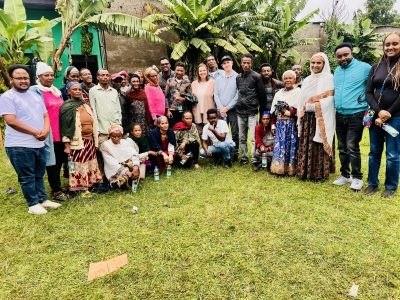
[(316, 120)]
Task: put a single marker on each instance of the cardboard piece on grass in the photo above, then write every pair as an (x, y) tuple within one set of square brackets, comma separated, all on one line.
[(353, 291), (105, 267)]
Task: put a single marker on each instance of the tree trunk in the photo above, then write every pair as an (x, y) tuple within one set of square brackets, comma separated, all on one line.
[(57, 64), (6, 77)]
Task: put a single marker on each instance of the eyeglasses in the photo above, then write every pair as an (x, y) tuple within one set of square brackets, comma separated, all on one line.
[(21, 78)]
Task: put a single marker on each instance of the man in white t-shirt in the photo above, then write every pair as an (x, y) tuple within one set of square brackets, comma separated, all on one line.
[(27, 126), (217, 132)]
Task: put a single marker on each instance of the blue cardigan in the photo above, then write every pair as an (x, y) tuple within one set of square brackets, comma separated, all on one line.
[(155, 138)]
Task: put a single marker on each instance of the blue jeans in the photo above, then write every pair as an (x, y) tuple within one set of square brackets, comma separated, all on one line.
[(378, 137), (30, 166), (223, 148)]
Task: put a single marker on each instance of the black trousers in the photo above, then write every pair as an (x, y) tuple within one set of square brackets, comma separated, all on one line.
[(349, 130), (194, 148), (53, 172)]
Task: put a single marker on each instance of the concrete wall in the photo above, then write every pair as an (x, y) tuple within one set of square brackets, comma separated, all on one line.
[(127, 53)]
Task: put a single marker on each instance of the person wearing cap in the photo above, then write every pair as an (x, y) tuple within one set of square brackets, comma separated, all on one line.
[(225, 96), (79, 133), (86, 83), (264, 140), (165, 73), (105, 103), (251, 96), (212, 65), (121, 158), (124, 84), (53, 102), (71, 73), (27, 126)]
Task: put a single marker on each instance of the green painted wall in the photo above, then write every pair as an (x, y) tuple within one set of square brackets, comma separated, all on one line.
[(76, 41)]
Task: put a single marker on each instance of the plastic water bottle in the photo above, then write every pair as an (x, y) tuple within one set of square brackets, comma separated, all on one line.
[(169, 170), (71, 165), (135, 184), (389, 129), (156, 174), (264, 160), (189, 155)]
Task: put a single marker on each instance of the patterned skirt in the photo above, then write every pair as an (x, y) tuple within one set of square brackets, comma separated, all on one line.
[(87, 170), (285, 147), (313, 162)]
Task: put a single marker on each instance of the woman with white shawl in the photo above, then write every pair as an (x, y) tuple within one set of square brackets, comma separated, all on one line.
[(316, 121), (284, 108), (121, 158)]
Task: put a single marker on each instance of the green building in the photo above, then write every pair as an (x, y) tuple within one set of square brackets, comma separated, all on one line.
[(35, 9)]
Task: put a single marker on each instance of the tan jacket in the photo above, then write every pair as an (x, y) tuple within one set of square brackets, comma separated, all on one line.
[(77, 141)]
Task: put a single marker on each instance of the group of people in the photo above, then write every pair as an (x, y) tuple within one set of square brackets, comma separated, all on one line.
[(112, 134)]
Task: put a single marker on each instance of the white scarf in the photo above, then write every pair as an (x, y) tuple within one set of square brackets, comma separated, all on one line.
[(115, 154), (291, 97), (318, 89), (55, 91)]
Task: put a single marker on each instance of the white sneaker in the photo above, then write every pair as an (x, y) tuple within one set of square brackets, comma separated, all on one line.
[(342, 181), (37, 210), (357, 184), (50, 204)]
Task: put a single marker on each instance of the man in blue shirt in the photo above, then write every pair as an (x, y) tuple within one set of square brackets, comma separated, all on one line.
[(350, 80)]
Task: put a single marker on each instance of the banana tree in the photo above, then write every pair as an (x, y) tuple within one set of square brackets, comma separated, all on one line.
[(75, 14), (202, 27), (366, 41), (18, 36), (278, 44)]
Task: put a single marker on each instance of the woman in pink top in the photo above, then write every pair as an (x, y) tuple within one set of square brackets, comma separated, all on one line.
[(203, 88), (53, 102), (155, 95)]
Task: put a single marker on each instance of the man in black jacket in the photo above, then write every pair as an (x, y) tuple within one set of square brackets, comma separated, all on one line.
[(251, 97), (271, 85)]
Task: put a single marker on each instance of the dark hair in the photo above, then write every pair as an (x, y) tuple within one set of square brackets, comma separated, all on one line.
[(136, 124), (186, 112), (247, 55), (83, 69), (164, 57), (212, 111), (179, 64), (134, 76), (344, 45), (266, 65), (12, 68), (101, 69)]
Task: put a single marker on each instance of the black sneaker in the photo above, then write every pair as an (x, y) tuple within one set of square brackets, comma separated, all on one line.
[(244, 162), (388, 193), (370, 190), (256, 167), (227, 164)]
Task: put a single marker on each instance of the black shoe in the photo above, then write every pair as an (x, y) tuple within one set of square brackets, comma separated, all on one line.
[(256, 167), (370, 190), (235, 158), (227, 164), (388, 193), (244, 162)]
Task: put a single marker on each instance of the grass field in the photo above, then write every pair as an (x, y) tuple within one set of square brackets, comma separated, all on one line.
[(208, 234)]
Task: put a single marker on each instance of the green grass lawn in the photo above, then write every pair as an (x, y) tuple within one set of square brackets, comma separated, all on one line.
[(208, 234)]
